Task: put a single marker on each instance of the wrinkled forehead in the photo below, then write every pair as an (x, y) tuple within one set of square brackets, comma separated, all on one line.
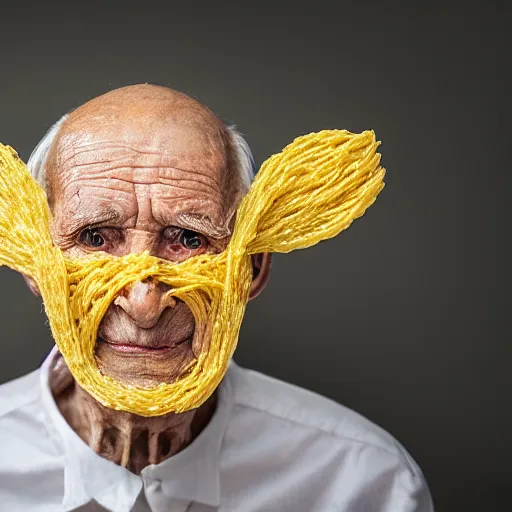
[(183, 139), (173, 139)]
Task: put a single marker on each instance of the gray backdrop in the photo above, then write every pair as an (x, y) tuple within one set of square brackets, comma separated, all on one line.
[(402, 316)]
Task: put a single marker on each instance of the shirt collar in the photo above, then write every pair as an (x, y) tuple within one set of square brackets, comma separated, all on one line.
[(190, 475)]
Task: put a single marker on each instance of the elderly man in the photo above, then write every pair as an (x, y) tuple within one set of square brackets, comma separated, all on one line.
[(145, 168)]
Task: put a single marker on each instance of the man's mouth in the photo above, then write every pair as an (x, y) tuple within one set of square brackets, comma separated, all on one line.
[(133, 348)]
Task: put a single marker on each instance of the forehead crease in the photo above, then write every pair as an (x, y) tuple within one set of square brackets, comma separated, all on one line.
[(189, 180), (144, 155), (94, 203), (72, 147), (204, 166), (143, 134), (103, 161), (123, 181), (86, 188)]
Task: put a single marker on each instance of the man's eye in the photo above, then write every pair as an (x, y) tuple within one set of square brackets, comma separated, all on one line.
[(91, 238), (190, 239)]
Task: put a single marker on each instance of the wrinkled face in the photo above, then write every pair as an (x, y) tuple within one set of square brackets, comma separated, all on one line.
[(310, 191), (131, 187)]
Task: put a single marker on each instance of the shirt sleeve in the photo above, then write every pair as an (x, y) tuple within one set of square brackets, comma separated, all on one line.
[(417, 497), (389, 488)]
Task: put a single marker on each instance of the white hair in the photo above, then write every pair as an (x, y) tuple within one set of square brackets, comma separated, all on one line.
[(242, 153), (37, 161)]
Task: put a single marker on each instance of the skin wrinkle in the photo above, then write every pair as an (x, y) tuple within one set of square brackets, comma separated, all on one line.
[(162, 160), (108, 171), (176, 183), (103, 188), (92, 147), (151, 126)]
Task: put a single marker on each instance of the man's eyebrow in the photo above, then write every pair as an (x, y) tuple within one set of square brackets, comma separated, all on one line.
[(93, 217), (203, 224)]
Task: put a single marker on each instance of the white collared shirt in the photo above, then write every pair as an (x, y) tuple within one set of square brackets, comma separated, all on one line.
[(269, 447)]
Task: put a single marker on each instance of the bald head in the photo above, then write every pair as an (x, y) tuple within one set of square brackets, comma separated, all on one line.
[(148, 115), (143, 104), (151, 116)]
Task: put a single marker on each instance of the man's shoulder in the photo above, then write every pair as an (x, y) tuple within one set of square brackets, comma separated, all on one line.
[(330, 456), (19, 392), (297, 406), (23, 434)]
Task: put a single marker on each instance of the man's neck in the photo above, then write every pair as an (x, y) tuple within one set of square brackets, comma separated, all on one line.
[(127, 439)]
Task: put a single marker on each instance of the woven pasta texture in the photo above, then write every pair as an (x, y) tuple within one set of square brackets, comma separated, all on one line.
[(310, 191)]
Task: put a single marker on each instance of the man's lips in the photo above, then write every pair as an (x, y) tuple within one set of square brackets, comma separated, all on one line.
[(133, 348)]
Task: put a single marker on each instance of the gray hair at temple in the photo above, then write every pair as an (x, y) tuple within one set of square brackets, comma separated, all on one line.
[(242, 155)]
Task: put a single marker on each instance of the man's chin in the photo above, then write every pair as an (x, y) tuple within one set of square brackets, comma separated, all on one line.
[(143, 365)]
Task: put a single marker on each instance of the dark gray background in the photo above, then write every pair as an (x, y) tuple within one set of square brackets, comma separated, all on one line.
[(402, 317)]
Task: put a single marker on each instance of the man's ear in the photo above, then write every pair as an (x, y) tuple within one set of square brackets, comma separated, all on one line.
[(261, 264), (32, 285)]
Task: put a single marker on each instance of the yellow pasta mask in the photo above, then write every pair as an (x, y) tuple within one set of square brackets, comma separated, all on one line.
[(310, 191)]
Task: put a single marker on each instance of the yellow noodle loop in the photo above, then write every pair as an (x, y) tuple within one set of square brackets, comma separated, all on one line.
[(308, 192)]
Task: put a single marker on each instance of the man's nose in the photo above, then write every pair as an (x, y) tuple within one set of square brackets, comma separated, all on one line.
[(144, 302)]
